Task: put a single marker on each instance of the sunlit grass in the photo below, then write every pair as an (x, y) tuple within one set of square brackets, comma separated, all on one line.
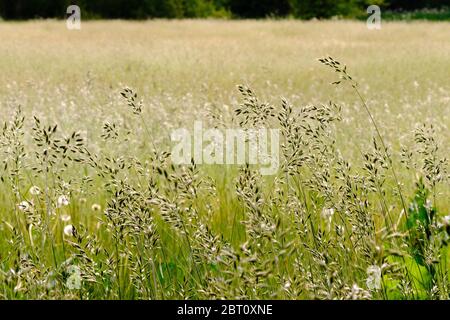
[(145, 229)]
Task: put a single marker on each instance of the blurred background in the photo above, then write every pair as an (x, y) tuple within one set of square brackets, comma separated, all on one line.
[(303, 9)]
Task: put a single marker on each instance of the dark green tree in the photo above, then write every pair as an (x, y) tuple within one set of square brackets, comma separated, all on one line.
[(259, 8)]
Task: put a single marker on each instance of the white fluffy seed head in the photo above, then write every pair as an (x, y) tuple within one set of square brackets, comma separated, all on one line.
[(68, 230), (65, 217), (63, 201), (34, 190), (24, 206), (373, 278), (96, 207)]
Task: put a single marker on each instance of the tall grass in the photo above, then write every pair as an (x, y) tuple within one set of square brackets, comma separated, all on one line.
[(91, 206), (322, 228)]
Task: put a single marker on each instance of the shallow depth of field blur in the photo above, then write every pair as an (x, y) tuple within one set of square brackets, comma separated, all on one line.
[(105, 215)]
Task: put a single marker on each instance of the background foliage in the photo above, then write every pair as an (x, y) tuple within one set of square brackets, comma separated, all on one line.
[(141, 9)]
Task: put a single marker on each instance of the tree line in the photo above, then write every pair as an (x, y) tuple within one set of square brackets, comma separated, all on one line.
[(144, 9)]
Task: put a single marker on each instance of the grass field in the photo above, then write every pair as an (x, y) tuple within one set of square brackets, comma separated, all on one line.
[(94, 209)]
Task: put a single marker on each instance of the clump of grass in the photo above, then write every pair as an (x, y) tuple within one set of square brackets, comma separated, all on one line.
[(324, 227)]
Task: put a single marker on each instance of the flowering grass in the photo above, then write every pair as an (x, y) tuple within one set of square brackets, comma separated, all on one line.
[(91, 206)]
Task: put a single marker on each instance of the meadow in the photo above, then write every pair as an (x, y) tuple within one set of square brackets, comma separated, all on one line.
[(92, 207)]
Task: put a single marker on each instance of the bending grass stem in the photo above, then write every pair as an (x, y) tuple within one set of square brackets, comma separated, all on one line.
[(384, 147)]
